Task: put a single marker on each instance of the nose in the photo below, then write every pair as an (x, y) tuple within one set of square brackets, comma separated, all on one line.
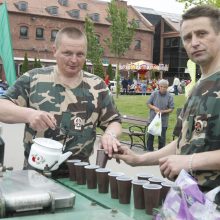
[(195, 41), (73, 58)]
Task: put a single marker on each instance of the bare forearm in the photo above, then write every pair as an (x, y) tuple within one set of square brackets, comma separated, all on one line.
[(206, 161), (115, 128), (11, 113), (152, 158)]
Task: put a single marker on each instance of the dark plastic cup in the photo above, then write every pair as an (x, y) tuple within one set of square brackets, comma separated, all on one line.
[(151, 197), (102, 179), (113, 183), (101, 158), (80, 173), (71, 167), (144, 176), (124, 189), (156, 180), (138, 193), (91, 179), (165, 189)]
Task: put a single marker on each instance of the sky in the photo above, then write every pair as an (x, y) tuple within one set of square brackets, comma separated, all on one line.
[(160, 5)]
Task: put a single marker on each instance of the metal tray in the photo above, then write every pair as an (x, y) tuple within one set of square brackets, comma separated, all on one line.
[(28, 190)]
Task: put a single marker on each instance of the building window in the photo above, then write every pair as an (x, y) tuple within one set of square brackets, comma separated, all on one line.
[(53, 10), (94, 16), (24, 32), (74, 13), (63, 2), (167, 28), (39, 33), (21, 6), (53, 35), (137, 45), (83, 6), (167, 42)]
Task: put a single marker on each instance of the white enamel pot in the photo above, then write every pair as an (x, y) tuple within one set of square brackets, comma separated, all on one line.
[(47, 154)]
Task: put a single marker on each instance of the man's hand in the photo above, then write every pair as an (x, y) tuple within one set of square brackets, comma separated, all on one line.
[(110, 144), (171, 166), (127, 155), (41, 120)]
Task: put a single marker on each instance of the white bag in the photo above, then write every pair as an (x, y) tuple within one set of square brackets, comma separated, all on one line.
[(155, 127)]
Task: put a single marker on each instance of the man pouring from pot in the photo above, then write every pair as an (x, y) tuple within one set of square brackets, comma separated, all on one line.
[(64, 103)]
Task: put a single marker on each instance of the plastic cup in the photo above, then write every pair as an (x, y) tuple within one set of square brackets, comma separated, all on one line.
[(71, 167), (124, 189), (144, 176), (80, 173), (165, 189), (156, 180), (91, 179), (113, 183), (101, 158), (138, 193), (102, 179), (151, 197)]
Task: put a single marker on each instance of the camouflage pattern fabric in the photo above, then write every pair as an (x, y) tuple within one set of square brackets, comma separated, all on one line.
[(78, 110), (199, 123)]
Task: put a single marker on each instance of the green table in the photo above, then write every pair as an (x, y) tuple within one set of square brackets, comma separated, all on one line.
[(104, 200), (89, 205)]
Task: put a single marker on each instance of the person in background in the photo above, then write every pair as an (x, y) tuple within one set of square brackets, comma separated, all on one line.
[(197, 150), (107, 80), (160, 101), (176, 83), (125, 86), (64, 103)]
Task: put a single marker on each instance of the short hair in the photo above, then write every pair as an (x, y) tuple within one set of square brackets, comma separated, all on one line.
[(204, 11), (163, 82), (71, 32)]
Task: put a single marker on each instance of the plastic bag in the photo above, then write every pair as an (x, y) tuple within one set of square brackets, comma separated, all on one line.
[(185, 201), (155, 127)]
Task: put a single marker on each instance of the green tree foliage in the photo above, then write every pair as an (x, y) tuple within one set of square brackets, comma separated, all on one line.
[(25, 64), (110, 72), (85, 67), (39, 65), (122, 33), (189, 3), (94, 49)]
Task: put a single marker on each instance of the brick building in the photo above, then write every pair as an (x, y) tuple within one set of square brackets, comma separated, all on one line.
[(34, 25)]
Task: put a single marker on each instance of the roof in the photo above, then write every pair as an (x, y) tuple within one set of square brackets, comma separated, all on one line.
[(171, 18), (37, 7)]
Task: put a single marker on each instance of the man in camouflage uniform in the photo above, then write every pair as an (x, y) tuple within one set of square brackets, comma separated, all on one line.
[(197, 150), (63, 102)]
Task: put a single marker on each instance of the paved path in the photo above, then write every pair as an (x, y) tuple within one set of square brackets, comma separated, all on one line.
[(13, 134)]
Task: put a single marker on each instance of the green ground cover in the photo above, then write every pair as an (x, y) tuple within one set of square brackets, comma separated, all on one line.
[(136, 105)]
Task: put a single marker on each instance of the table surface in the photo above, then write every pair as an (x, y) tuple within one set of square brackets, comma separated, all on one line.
[(91, 205)]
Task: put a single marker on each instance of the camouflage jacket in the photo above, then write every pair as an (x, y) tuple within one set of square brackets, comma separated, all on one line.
[(199, 123), (78, 110)]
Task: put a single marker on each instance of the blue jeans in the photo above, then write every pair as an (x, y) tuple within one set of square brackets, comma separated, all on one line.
[(161, 140)]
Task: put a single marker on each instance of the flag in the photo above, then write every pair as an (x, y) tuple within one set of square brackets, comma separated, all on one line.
[(6, 52), (191, 66)]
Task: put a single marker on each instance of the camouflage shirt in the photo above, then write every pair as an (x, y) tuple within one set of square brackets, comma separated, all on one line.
[(200, 126), (78, 110)]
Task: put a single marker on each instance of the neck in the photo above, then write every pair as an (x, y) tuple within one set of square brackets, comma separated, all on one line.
[(211, 68), (70, 81)]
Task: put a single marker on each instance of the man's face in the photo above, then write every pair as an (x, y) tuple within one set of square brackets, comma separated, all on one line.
[(70, 55), (200, 40), (163, 88)]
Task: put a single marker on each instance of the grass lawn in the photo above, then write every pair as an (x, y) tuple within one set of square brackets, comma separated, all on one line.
[(136, 105)]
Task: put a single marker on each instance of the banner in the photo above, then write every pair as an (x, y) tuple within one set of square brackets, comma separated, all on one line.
[(6, 52)]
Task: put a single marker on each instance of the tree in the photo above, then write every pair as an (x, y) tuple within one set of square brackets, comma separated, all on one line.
[(121, 34), (25, 64), (110, 72), (39, 65), (94, 49), (189, 3)]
